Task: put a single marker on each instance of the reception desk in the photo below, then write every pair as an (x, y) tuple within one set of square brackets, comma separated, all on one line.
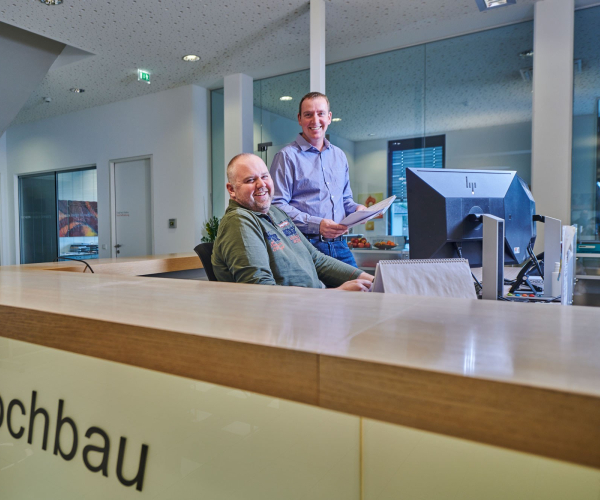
[(523, 378)]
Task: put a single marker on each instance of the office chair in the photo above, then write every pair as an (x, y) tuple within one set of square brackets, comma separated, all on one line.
[(204, 251)]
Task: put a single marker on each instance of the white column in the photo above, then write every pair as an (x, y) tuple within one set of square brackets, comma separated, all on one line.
[(552, 110), (317, 46), (238, 118)]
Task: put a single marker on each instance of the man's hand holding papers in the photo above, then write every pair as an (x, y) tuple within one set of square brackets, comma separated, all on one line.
[(362, 216)]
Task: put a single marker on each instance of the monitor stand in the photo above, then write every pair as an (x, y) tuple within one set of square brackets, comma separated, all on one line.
[(492, 257)]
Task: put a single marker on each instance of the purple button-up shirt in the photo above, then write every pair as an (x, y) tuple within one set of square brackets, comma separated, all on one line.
[(312, 185)]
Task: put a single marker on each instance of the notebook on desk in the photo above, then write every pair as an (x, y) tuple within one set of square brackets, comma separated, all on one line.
[(432, 277)]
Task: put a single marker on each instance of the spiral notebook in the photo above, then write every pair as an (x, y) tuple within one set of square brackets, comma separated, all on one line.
[(433, 278)]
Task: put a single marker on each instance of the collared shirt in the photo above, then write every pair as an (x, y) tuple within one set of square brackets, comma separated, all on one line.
[(312, 185), (252, 247)]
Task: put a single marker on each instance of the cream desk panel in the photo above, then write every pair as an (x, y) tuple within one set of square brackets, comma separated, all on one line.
[(209, 441), (204, 441)]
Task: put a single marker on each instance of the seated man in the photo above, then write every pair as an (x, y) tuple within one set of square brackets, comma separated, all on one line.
[(258, 243)]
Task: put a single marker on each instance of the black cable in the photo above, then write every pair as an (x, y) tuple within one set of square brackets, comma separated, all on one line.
[(535, 260), (478, 286), (76, 260)]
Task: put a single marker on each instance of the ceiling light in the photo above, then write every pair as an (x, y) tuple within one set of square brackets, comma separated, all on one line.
[(191, 58), (371, 135), (491, 4), (336, 120), (77, 91), (526, 53), (286, 98), (52, 2)]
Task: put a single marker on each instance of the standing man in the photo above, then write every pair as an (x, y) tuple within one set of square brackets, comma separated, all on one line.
[(312, 183)]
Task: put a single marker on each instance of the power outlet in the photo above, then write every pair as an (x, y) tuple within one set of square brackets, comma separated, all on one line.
[(172, 223)]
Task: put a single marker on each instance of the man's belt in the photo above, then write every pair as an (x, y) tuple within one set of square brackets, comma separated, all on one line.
[(320, 237)]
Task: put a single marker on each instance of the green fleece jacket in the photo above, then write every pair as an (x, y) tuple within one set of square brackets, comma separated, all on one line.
[(268, 249)]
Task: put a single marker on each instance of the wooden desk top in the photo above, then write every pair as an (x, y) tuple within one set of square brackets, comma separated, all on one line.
[(522, 376)]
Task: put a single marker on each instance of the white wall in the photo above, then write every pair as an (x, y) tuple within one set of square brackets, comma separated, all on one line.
[(171, 126), (218, 153)]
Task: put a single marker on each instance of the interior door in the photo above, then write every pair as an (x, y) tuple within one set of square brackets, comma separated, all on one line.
[(133, 208)]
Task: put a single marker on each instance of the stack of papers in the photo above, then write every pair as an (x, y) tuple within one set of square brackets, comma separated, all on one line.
[(363, 216)]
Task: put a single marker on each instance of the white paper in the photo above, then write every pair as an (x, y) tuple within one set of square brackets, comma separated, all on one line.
[(433, 278), (362, 216)]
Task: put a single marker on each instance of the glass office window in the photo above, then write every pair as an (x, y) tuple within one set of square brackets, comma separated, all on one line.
[(585, 180), (376, 99), (38, 218), (276, 103), (478, 93), (447, 88), (58, 214), (77, 192), (475, 90), (217, 138)]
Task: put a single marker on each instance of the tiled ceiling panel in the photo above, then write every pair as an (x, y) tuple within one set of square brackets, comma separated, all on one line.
[(261, 38)]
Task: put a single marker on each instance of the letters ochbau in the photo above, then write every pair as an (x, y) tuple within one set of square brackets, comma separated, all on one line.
[(66, 438)]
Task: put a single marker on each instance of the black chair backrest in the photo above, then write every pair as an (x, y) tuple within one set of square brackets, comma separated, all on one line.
[(204, 251)]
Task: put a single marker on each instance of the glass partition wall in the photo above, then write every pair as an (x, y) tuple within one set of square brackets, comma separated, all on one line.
[(58, 215), (585, 180), (444, 101)]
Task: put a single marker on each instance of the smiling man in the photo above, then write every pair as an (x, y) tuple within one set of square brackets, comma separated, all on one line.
[(258, 243), (312, 183)]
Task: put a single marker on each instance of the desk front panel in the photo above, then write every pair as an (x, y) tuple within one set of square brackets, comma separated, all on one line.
[(145, 434)]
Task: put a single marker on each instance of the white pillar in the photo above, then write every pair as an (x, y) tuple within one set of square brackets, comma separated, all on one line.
[(552, 127), (238, 118), (317, 46)]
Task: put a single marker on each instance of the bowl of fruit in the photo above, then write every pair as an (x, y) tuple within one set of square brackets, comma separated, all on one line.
[(359, 243), (385, 245)]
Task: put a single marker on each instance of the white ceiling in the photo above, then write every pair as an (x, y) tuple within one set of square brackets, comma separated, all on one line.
[(261, 38)]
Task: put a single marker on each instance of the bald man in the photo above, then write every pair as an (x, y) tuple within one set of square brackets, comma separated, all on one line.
[(258, 243)]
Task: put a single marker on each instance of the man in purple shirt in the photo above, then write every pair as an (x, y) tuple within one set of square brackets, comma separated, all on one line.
[(312, 183)]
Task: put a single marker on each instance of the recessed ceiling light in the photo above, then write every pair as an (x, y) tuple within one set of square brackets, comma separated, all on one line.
[(191, 58), (77, 91), (526, 53), (491, 4), (286, 98), (52, 2), (371, 135), (336, 120)]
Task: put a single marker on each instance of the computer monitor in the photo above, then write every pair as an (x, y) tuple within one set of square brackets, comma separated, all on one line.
[(443, 206)]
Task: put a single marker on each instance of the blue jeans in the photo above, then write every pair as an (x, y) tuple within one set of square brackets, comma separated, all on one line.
[(337, 249)]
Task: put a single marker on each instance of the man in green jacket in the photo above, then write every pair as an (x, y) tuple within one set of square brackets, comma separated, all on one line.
[(258, 243)]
